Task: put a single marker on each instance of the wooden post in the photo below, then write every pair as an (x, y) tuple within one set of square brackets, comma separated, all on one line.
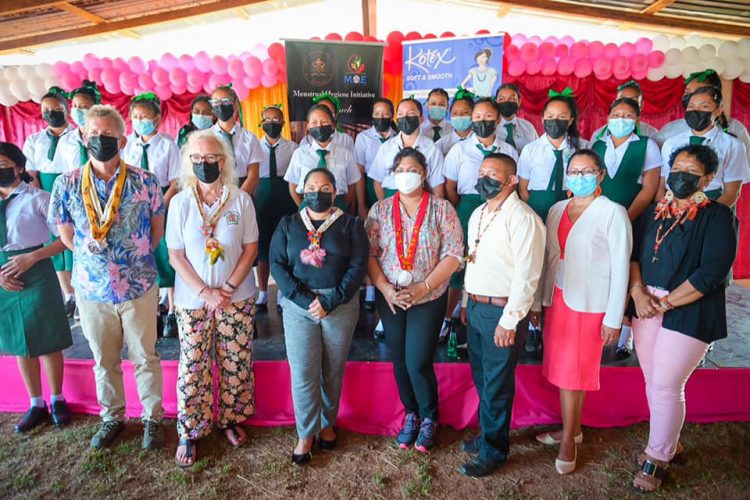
[(369, 17)]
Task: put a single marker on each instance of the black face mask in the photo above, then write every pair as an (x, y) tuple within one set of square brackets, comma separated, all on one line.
[(683, 184), (408, 124), (272, 129), (103, 147), (382, 124), (686, 100), (206, 172), (699, 120), (7, 176), (54, 118), (319, 201), (508, 108), (321, 134), (556, 128), (225, 112), (488, 187), (484, 128)]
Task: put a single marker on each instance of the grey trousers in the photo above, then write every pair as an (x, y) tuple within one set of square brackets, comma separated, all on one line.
[(317, 352)]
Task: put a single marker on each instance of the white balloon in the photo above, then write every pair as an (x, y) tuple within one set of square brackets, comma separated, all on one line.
[(45, 70), (19, 90), (744, 47), (656, 74), (7, 98), (673, 71), (734, 68), (728, 49), (717, 64), (690, 55), (678, 42), (745, 77), (37, 88), (706, 52), (10, 73), (27, 71), (694, 41), (661, 42), (52, 81), (672, 57)]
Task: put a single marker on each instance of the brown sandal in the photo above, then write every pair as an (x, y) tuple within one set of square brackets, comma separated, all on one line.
[(651, 475), (677, 459)]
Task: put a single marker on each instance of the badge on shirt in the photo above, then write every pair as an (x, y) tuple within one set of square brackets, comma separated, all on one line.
[(232, 217)]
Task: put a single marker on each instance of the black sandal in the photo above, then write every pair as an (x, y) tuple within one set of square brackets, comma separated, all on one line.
[(233, 428), (189, 445), (650, 477)]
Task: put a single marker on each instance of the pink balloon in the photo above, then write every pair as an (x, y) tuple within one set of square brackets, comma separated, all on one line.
[(512, 52), (562, 50), (413, 35), (177, 77), (186, 62), (533, 67), (163, 92), (137, 65), (429, 36), (112, 86), (333, 36), (251, 82), (536, 40), (602, 68), (128, 80), (639, 75), (152, 65), (579, 50), (567, 40), (168, 61), (217, 80), (270, 67), (529, 52), (552, 40), (145, 82), (268, 81), (195, 78), (516, 67), (253, 66), (70, 81), (90, 61), (177, 89), (219, 65), (620, 65), (275, 50), (95, 74), (202, 62), (368, 38), (395, 38), (549, 67), (61, 68), (194, 89), (611, 50), (242, 91), (546, 50), (620, 76), (120, 64), (354, 36), (596, 49), (582, 68), (161, 77), (639, 63), (627, 49), (77, 69), (566, 66), (106, 63), (235, 69), (643, 46), (447, 34), (655, 59), (518, 39), (109, 76), (483, 32)]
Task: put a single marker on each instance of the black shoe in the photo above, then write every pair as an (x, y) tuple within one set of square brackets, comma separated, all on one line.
[(533, 340), (278, 308), (479, 467), (60, 413), (471, 445), (153, 435), (369, 305), (622, 353), (159, 325), (303, 458), (70, 307), (107, 433), (261, 307), (326, 445), (170, 326), (378, 335), (36, 416)]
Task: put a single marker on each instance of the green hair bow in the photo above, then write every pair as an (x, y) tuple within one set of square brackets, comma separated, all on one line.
[(700, 75), (627, 85), (462, 93), (146, 96), (88, 87), (55, 90), (568, 92), (328, 96)]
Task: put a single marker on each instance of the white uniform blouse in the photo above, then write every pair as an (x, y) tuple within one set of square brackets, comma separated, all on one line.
[(35, 150), (26, 219), (463, 162), (339, 160), (164, 160), (381, 165)]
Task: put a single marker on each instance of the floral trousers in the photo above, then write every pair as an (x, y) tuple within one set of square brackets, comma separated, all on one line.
[(229, 332)]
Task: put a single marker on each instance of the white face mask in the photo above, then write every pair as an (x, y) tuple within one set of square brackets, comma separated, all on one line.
[(407, 182)]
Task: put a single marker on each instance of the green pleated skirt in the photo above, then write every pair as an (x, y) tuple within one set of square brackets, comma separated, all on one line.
[(272, 203), (64, 260)]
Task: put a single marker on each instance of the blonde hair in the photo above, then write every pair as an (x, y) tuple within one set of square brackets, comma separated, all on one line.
[(187, 177), (106, 111)]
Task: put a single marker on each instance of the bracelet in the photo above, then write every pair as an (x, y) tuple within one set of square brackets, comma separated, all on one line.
[(227, 283), (202, 290), (666, 303), (427, 284)]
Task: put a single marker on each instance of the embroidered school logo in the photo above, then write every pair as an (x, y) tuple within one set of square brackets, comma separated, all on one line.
[(355, 71), (318, 68), (232, 217)]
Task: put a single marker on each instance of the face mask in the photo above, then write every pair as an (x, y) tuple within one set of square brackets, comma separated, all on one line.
[(319, 201), (54, 118), (201, 122), (144, 127), (555, 128), (321, 134), (408, 124), (508, 109), (437, 113), (686, 100), (206, 172), (582, 185), (488, 187), (699, 120), (621, 127), (461, 123), (103, 147), (381, 124), (79, 116), (683, 184), (272, 129), (407, 182), (484, 128), (225, 112), (7, 176)]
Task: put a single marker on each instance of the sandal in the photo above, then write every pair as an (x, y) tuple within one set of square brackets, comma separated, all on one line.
[(651, 475), (677, 459), (237, 440), (189, 445)]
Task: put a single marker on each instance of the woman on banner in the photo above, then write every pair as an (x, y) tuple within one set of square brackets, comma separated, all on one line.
[(416, 244), (481, 78), (408, 118), (512, 129), (461, 108), (201, 117), (629, 90), (436, 126), (340, 138)]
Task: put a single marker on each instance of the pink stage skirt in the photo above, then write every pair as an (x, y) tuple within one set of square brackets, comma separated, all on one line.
[(572, 346)]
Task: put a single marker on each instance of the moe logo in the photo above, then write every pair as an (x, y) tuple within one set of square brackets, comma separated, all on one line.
[(355, 67), (317, 68)]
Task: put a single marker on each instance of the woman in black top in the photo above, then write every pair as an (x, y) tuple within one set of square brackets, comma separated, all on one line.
[(318, 258), (683, 250)]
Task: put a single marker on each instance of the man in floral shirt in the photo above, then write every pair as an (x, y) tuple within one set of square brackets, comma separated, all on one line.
[(112, 216)]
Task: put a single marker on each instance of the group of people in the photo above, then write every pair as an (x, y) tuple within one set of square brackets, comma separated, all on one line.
[(474, 216)]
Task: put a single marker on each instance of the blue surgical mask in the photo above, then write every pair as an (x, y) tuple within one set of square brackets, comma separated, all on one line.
[(202, 122), (79, 116), (144, 127), (461, 123), (621, 127), (437, 113), (582, 185)]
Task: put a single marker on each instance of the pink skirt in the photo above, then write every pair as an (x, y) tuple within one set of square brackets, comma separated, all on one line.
[(572, 346)]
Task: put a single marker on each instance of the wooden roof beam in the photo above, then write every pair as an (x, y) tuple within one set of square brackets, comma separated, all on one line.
[(18, 6), (93, 18), (656, 7)]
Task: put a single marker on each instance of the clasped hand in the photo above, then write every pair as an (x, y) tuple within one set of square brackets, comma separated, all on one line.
[(404, 298), (646, 305)]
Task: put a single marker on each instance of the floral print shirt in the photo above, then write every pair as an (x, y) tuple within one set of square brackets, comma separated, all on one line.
[(441, 236), (126, 269)]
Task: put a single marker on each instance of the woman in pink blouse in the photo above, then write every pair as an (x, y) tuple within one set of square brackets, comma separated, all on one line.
[(414, 250)]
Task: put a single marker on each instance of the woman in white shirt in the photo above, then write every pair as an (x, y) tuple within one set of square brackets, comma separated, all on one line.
[(366, 146), (323, 153), (461, 108), (340, 138), (585, 286), (73, 153), (512, 129), (212, 237), (629, 90)]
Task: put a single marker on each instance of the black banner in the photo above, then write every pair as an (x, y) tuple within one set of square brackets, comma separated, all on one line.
[(351, 71)]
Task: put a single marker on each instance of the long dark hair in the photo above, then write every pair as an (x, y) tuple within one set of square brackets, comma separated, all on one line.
[(419, 158), (716, 95), (14, 153), (389, 103), (574, 136)]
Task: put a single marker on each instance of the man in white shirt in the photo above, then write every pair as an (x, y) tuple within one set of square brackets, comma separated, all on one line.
[(504, 264)]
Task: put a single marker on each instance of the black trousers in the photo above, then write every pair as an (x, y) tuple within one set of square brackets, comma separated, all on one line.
[(493, 370), (412, 337)]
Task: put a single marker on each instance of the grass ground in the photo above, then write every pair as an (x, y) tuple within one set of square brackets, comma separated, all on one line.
[(57, 463)]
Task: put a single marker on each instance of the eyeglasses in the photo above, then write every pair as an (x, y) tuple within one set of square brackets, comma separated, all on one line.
[(209, 158), (272, 120), (221, 102), (5, 164), (588, 171)]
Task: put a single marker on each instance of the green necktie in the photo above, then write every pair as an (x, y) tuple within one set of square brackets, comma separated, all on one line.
[(144, 157), (3, 228), (695, 139), (382, 139), (322, 161), (510, 128), (557, 174), (486, 152), (83, 152), (437, 130), (272, 162), (54, 139)]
